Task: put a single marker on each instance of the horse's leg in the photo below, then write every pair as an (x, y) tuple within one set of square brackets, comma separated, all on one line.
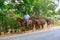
[(31, 26), (34, 28), (42, 26), (39, 27), (48, 26), (52, 23)]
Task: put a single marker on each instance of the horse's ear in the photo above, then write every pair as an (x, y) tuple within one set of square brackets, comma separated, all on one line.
[(18, 19)]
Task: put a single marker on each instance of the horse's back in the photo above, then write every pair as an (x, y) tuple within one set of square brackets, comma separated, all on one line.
[(49, 21), (40, 21)]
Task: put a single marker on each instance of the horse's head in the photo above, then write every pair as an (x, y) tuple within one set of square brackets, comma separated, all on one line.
[(19, 19)]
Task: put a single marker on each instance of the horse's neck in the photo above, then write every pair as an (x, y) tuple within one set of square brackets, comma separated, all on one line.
[(22, 21)]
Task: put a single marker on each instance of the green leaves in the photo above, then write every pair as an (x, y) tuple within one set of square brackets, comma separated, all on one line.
[(13, 9)]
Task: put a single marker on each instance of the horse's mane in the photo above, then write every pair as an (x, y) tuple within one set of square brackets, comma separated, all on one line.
[(20, 19)]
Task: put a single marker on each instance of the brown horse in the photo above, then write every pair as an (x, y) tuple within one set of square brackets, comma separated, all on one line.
[(40, 23), (23, 24), (49, 22)]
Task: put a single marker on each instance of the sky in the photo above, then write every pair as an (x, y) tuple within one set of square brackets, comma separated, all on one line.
[(58, 5)]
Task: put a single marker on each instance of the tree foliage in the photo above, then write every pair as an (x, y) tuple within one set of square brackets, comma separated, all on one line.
[(11, 9)]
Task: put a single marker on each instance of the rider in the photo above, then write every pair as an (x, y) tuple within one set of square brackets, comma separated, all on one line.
[(26, 17)]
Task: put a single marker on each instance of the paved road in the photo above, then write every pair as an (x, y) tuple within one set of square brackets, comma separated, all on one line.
[(47, 35)]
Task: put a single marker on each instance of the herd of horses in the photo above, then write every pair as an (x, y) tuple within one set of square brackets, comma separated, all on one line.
[(37, 23)]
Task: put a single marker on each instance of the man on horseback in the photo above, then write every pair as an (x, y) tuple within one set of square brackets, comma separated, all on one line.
[(26, 17)]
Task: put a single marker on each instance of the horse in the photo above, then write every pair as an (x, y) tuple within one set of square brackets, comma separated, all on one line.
[(40, 23), (23, 24), (49, 22)]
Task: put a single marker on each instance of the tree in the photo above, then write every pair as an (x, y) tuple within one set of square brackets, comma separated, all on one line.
[(11, 9), (58, 12)]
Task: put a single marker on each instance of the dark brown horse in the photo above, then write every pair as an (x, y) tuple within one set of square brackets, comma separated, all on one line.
[(49, 22), (40, 23)]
